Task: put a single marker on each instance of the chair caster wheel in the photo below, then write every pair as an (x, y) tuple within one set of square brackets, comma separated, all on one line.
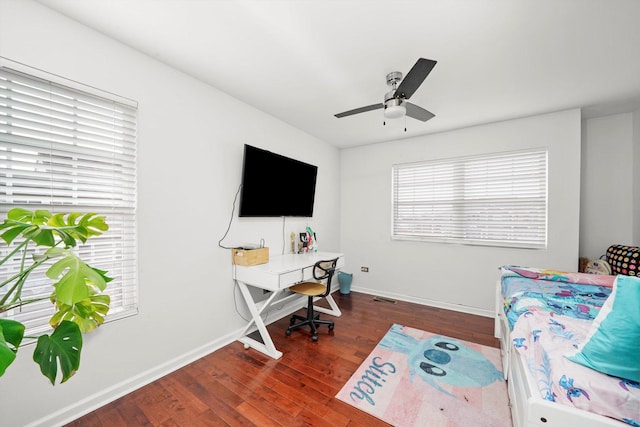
[(314, 338), (287, 332), (331, 327), (292, 321)]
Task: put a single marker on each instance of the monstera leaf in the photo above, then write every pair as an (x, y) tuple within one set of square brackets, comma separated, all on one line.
[(87, 314), (77, 226), (62, 347), (32, 225), (42, 227), (11, 334), (76, 277), (28, 224)]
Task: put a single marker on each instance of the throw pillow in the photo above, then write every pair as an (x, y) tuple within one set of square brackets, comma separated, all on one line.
[(612, 345)]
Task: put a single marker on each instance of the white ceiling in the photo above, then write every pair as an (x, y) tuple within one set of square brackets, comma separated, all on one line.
[(303, 61)]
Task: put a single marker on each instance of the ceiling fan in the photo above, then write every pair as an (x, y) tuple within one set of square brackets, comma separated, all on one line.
[(395, 101)]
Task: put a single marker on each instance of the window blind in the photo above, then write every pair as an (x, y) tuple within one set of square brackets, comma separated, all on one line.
[(67, 147), (497, 200)]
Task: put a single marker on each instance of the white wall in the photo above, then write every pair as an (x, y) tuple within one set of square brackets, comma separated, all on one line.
[(610, 192), (190, 141), (635, 238), (186, 292), (453, 275)]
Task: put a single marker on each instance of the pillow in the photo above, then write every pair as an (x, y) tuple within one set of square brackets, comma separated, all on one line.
[(612, 345), (624, 259)]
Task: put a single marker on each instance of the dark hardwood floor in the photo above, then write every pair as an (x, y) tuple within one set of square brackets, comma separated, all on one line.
[(239, 387)]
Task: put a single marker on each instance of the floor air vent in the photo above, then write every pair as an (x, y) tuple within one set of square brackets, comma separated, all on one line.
[(384, 299)]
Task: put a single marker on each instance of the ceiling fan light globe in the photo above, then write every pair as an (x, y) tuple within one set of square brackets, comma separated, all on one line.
[(395, 111)]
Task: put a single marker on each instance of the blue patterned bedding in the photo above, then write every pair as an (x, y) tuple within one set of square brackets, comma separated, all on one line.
[(570, 294), (544, 339), (550, 313)]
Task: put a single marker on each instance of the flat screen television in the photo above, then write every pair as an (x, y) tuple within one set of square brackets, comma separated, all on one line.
[(276, 186)]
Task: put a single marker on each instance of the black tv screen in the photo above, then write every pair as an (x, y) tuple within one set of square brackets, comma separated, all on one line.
[(274, 185)]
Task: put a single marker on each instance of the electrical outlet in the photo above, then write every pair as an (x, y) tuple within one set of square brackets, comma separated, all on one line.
[(364, 269)]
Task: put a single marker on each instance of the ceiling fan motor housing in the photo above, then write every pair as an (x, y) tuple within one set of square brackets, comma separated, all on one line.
[(393, 78), (394, 107)]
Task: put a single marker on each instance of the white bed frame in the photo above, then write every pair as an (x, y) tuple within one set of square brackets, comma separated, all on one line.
[(528, 408)]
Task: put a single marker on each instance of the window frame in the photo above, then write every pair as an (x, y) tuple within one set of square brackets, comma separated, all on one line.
[(450, 202), (87, 156)]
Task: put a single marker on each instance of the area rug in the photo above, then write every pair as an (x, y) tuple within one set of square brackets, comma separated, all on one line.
[(416, 378)]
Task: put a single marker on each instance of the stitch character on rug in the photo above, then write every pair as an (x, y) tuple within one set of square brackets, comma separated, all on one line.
[(441, 361)]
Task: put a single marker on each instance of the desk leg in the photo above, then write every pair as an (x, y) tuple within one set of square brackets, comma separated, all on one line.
[(268, 347), (335, 310)]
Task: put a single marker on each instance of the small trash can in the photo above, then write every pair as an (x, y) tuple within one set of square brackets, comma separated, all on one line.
[(345, 282)]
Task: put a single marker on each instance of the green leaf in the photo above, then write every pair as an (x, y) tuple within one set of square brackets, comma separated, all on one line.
[(62, 347), (67, 238), (42, 227), (57, 252), (78, 226), (9, 235), (77, 278), (37, 217), (13, 230), (71, 218), (13, 331), (11, 334), (44, 237), (57, 220), (87, 314), (40, 216), (19, 214), (92, 225), (103, 273), (21, 221)]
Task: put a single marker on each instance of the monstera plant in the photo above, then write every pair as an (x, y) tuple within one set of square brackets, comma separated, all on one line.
[(39, 239)]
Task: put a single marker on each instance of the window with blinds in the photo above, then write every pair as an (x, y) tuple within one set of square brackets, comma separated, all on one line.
[(494, 200), (67, 147)]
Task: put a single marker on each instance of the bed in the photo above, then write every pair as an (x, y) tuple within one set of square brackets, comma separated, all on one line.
[(551, 326)]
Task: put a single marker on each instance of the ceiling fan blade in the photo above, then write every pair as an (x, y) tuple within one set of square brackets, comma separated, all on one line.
[(414, 78), (418, 113), (359, 110)]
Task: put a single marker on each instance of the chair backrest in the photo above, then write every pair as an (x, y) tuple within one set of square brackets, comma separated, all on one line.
[(325, 270)]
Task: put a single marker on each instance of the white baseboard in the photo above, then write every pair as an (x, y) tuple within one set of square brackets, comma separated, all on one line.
[(106, 396), (97, 400), (431, 303)]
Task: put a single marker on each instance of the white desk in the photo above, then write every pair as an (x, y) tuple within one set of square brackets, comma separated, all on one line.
[(281, 272)]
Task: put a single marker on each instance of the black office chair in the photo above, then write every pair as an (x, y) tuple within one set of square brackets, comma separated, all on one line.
[(321, 270)]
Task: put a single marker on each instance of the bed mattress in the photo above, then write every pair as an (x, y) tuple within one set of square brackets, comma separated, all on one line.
[(549, 315)]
